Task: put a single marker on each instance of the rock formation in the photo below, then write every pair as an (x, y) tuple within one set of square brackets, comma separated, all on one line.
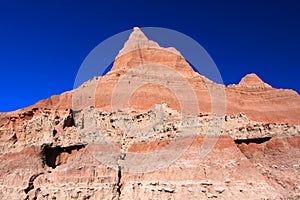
[(89, 143)]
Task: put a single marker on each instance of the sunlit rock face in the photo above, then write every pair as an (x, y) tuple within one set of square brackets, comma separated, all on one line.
[(93, 148)]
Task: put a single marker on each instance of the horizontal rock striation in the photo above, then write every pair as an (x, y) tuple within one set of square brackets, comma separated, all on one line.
[(89, 143)]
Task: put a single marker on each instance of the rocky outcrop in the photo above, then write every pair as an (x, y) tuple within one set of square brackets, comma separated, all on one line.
[(252, 82), (258, 100), (230, 176), (83, 144), (137, 41), (60, 164), (278, 160), (261, 102)]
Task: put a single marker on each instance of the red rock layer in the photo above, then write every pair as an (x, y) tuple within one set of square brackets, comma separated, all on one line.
[(258, 100), (278, 160)]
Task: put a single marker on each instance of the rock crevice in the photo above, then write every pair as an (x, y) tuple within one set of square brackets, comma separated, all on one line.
[(31, 184), (55, 156), (252, 140)]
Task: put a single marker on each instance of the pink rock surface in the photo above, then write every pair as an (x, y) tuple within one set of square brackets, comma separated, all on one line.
[(44, 156), (258, 100)]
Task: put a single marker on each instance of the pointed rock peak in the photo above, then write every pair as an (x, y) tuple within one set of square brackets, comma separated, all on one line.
[(138, 40), (137, 35), (253, 81), (250, 79)]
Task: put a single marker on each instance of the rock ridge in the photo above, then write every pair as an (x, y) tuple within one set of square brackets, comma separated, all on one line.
[(48, 150)]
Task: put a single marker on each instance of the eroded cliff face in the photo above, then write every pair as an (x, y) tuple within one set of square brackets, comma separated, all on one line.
[(59, 148), (51, 159), (258, 100)]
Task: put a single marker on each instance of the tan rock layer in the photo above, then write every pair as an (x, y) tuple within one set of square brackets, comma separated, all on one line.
[(263, 173), (44, 156)]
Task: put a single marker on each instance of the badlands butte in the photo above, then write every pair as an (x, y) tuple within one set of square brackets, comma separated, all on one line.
[(77, 145)]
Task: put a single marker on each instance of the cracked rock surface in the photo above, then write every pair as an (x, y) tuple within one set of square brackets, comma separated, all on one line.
[(61, 148), (63, 165)]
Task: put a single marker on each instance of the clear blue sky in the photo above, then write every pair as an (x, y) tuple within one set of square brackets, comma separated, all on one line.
[(43, 43)]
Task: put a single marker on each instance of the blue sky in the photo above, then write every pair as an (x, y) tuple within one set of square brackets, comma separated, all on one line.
[(43, 43)]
